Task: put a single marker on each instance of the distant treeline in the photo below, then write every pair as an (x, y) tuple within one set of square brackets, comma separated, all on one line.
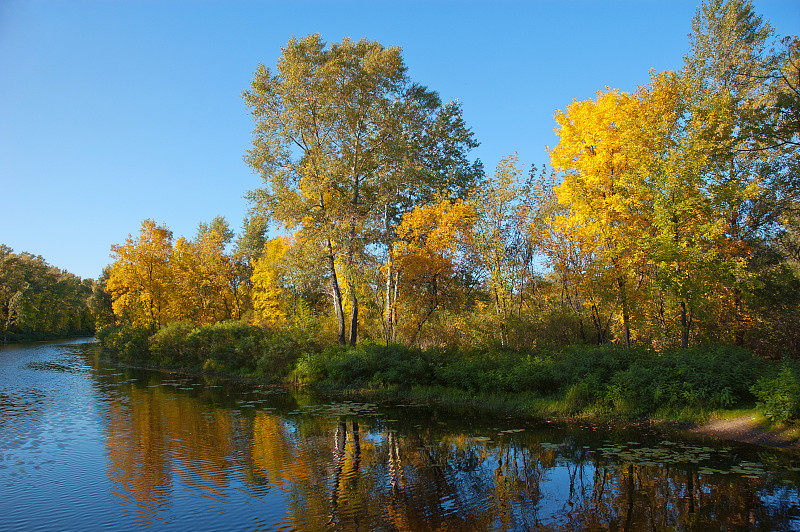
[(40, 301)]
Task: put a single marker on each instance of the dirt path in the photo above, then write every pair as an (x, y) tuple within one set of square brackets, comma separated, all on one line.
[(748, 430)]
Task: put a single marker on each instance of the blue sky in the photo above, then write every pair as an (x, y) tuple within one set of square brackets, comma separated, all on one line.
[(116, 111)]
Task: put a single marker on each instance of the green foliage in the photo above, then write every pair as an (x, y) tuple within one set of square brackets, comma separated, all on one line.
[(39, 301), (601, 379), (368, 365), (779, 395), (614, 380), (168, 344), (497, 372), (229, 347), (128, 343)]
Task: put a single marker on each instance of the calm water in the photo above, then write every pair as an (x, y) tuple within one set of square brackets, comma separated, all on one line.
[(85, 445)]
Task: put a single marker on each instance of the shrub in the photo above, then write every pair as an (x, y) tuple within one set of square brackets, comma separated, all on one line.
[(779, 396), (124, 341), (233, 344), (168, 344)]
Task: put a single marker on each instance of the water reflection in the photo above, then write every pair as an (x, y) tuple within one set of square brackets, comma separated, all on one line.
[(181, 453), (351, 466)]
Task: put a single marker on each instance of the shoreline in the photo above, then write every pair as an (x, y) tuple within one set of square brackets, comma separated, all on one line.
[(749, 428)]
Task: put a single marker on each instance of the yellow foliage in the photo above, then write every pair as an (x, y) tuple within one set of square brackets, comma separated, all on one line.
[(203, 279), (140, 280), (269, 294), (435, 249), (153, 282)]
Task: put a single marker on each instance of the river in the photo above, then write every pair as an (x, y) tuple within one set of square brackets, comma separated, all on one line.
[(88, 445)]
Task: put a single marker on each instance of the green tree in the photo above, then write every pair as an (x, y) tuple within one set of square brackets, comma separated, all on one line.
[(12, 287), (729, 65), (502, 237), (38, 300), (317, 142), (341, 140)]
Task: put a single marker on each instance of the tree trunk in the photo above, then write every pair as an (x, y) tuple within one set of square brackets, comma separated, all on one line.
[(625, 313), (501, 315), (395, 295), (337, 295), (738, 304), (353, 316), (598, 325), (388, 309), (684, 326), (387, 312)]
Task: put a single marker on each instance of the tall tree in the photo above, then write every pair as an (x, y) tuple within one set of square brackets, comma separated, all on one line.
[(316, 144), (673, 160), (603, 190), (332, 126), (729, 64), (427, 162), (502, 236)]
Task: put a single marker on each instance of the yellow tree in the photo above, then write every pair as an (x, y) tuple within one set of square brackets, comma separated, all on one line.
[(140, 279), (434, 258), (608, 206), (269, 293), (203, 279)]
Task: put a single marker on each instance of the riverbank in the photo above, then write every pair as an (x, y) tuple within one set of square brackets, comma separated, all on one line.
[(750, 428), (578, 383), (737, 425), (743, 426)]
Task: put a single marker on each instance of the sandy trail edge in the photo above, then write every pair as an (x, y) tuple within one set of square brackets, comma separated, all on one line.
[(747, 429)]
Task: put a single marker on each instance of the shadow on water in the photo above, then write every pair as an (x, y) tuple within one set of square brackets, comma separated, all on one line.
[(176, 452)]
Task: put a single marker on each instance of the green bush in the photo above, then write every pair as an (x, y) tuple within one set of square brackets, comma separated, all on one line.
[(583, 394), (698, 379), (125, 342), (779, 396), (168, 345), (230, 346), (367, 365)]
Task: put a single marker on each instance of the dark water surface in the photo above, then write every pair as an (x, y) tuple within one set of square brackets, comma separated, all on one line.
[(85, 445)]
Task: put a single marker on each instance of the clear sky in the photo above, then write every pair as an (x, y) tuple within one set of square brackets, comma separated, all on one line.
[(116, 111)]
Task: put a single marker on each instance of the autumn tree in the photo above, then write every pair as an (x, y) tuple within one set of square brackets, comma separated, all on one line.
[(140, 279), (269, 293), (603, 190), (435, 259), (202, 277)]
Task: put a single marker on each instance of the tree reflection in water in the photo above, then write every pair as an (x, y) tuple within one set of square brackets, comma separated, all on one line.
[(310, 471)]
